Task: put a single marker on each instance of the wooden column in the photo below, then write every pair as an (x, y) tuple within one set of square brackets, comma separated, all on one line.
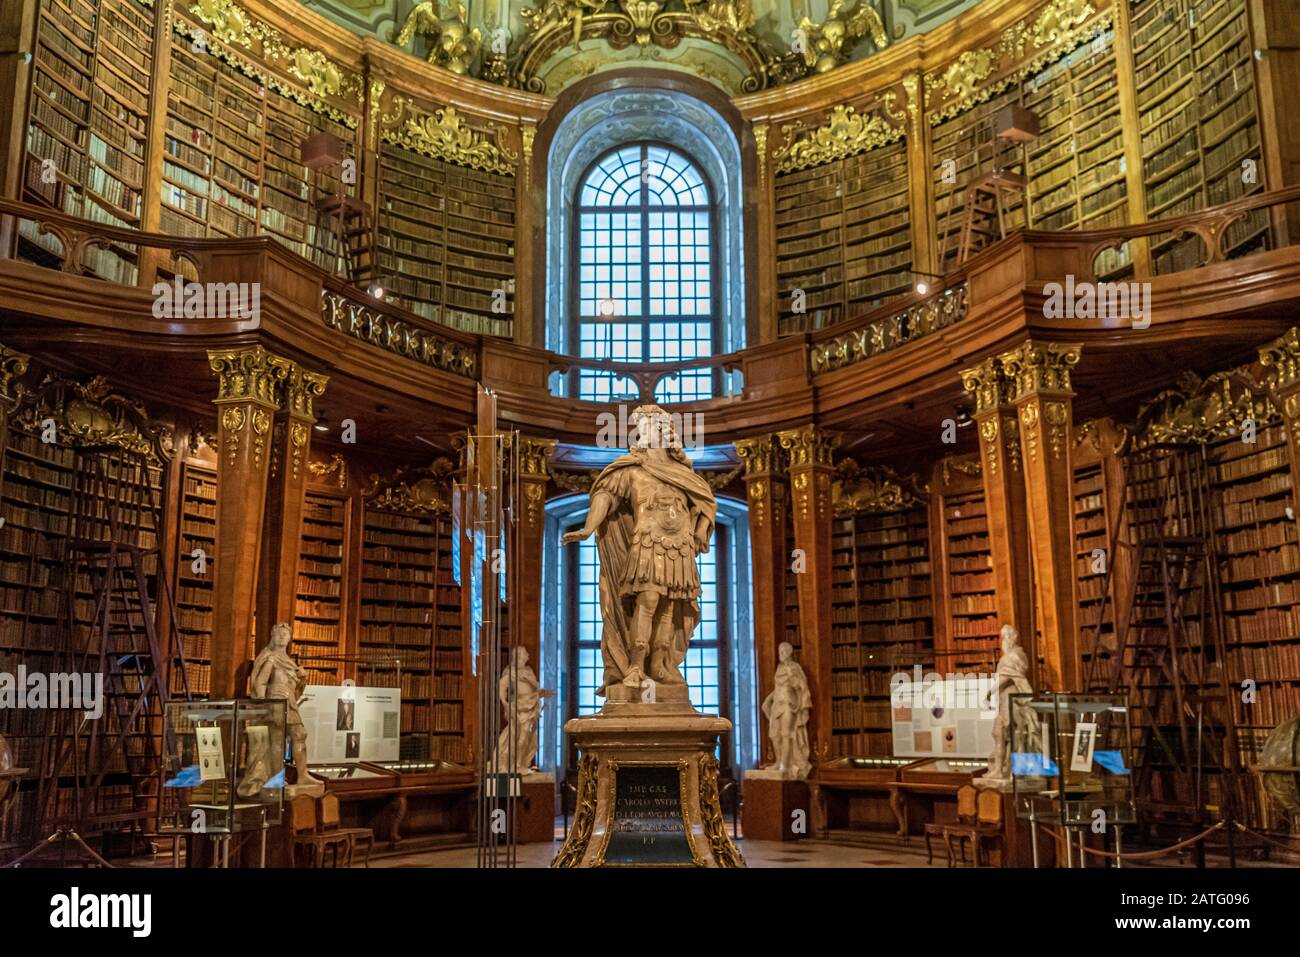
[(526, 601), (1039, 374), (1004, 497), (529, 257), (810, 468), (920, 179), (286, 486), (1275, 32), (765, 488), (1131, 133), (765, 226), (1283, 356), (249, 380)]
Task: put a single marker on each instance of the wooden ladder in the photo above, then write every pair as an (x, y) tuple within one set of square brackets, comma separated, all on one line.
[(984, 218), (352, 226)]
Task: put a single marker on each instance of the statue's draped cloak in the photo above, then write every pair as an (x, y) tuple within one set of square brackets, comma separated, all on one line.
[(614, 545)]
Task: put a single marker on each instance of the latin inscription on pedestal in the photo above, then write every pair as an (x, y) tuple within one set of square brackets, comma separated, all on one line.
[(648, 826)]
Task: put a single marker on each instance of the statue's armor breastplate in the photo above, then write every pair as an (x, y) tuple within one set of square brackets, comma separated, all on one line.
[(662, 555), (663, 518)]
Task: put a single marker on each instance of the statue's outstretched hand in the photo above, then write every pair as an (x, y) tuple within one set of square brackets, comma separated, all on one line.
[(574, 536)]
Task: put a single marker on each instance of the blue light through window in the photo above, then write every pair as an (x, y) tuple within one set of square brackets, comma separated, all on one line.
[(646, 284)]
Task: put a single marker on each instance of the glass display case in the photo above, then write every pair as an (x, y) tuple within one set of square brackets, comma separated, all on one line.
[(1071, 757), (223, 766)]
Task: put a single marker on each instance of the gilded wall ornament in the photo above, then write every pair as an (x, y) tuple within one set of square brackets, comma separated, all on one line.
[(1029, 424), (424, 490), (989, 433), (13, 366), (336, 466), (1034, 367), (1198, 410), (232, 423), (846, 133), (235, 27), (445, 136), (873, 488), (92, 413)]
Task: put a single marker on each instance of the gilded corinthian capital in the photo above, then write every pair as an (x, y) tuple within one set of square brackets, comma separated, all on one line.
[(761, 455), (248, 374), (301, 390), (534, 456), (989, 385), (808, 446), (1036, 367)]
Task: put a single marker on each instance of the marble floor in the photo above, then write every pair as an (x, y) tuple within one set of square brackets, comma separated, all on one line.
[(881, 852)]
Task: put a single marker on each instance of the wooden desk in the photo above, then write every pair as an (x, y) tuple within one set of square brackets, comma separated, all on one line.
[(915, 792)]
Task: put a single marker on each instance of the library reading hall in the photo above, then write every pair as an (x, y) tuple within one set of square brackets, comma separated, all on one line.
[(700, 433)]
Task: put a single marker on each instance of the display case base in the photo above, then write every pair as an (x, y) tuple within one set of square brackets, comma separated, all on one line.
[(648, 791)]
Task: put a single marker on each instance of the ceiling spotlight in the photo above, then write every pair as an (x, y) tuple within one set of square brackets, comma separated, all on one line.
[(376, 290), (607, 306)]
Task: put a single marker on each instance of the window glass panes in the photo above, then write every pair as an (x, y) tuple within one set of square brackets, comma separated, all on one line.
[(645, 271)]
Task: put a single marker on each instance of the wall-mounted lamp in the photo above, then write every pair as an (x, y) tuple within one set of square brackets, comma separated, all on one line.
[(920, 281)]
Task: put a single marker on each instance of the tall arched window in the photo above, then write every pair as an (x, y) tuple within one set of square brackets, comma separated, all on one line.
[(646, 288)]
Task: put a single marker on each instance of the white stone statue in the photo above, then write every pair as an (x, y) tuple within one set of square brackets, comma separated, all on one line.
[(522, 696), (652, 516), (786, 710), (276, 675), (1011, 677)]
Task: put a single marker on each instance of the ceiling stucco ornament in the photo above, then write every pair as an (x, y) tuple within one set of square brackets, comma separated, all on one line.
[(556, 30)]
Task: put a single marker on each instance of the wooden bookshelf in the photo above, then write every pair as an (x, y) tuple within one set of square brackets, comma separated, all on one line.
[(319, 624), (407, 593), (194, 585), (45, 500), (967, 141), (446, 240), (89, 119), (971, 629), (1095, 583), (1258, 559), (1197, 117), (231, 164), (882, 621), (843, 236)]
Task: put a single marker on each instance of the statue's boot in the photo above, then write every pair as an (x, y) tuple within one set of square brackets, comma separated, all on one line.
[(663, 670)]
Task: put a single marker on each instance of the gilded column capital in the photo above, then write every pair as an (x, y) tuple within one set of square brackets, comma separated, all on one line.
[(1283, 355), (534, 456), (989, 385), (808, 447), (301, 389), (13, 365), (1037, 367), (249, 374), (760, 455)]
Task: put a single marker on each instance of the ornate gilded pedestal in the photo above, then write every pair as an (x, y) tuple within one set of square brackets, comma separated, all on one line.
[(648, 790)]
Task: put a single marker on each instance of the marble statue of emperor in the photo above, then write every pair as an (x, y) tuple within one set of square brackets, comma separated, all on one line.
[(652, 515)]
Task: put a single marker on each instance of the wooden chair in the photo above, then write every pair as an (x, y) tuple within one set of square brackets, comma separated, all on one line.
[(304, 832), (979, 818), (330, 824)]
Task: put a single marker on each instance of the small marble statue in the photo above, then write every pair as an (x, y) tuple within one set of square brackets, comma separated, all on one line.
[(276, 675), (786, 710), (1011, 677), (522, 696), (652, 516)]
